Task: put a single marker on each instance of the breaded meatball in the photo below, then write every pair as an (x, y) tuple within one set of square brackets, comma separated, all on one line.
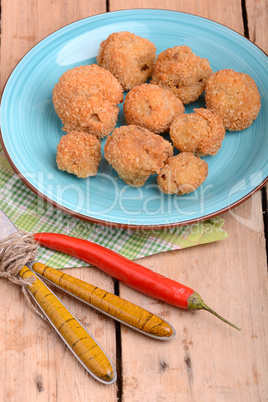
[(129, 57), (201, 132), (182, 174), (235, 97), (180, 70), (152, 107), (136, 153), (79, 153), (85, 99)]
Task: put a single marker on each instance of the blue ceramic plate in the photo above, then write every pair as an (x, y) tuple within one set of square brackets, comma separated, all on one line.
[(31, 129)]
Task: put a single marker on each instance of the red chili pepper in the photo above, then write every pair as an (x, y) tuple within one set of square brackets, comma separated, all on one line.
[(132, 274)]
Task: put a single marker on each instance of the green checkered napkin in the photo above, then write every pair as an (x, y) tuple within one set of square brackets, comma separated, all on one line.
[(30, 213)]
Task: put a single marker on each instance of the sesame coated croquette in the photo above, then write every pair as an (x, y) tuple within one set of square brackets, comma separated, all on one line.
[(235, 97), (152, 107), (79, 153), (128, 57), (201, 132), (182, 71), (182, 174), (85, 99), (136, 153)]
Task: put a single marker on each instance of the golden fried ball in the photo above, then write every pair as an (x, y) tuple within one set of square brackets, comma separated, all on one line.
[(86, 98), (136, 153), (152, 107), (182, 174), (201, 132), (182, 71), (235, 97), (79, 153), (128, 57)]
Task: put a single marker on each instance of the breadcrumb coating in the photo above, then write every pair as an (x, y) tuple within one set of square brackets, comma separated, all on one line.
[(235, 97), (201, 132), (152, 107), (79, 153), (128, 57), (136, 153), (85, 99), (182, 174), (182, 71)]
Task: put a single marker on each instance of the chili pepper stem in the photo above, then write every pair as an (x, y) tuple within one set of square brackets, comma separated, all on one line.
[(195, 302)]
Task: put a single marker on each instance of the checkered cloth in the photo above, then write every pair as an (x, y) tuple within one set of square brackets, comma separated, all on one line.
[(30, 213)]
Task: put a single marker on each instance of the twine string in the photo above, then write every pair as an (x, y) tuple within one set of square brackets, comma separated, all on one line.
[(17, 250)]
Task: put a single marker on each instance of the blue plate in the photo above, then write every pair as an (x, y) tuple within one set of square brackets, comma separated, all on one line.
[(31, 129)]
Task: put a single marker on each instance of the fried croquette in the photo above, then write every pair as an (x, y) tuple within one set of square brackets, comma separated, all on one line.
[(79, 153), (182, 174), (128, 57), (136, 153), (235, 97), (85, 99), (182, 71), (152, 107), (201, 132)]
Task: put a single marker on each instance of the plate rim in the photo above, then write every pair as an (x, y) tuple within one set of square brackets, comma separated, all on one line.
[(110, 223)]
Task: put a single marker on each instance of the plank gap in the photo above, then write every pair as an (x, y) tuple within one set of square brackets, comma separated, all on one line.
[(107, 6), (264, 198), (245, 18)]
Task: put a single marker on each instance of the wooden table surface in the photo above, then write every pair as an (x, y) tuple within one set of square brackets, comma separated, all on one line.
[(208, 360)]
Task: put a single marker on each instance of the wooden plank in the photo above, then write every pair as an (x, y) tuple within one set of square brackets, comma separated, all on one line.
[(26, 22), (208, 360), (257, 19), (35, 364), (34, 360), (227, 13)]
